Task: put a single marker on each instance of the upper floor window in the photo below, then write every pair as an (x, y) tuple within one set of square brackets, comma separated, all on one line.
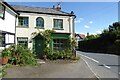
[(58, 23), (23, 21), (2, 11), (40, 22)]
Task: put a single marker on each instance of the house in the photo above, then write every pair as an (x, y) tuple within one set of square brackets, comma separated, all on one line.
[(7, 24), (79, 37), (32, 19)]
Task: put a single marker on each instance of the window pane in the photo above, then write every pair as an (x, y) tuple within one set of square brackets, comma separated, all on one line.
[(39, 22), (23, 21), (2, 8), (22, 41), (58, 23), (2, 40), (59, 44)]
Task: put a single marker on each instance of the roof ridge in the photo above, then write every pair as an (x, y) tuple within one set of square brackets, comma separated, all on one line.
[(39, 10), (29, 6), (39, 7)]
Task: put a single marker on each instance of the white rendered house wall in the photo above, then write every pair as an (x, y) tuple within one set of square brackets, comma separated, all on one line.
[(7, 25), (48, 24)]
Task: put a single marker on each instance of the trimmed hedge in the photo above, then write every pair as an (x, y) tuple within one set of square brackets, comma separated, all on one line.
[(100, 45)]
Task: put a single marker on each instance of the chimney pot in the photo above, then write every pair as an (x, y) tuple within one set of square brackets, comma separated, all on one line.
[(58, 7), (72, 12), (53, 6)]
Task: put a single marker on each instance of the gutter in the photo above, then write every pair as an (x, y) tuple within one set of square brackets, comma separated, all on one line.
[(43, 13), (6, 4)]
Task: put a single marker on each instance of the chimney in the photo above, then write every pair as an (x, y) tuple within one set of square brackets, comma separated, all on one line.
[(72, 12), (87, 34), (54, 7), (58, 7)]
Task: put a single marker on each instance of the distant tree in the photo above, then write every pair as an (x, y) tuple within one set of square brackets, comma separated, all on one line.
[(114, 26), (89, 37)]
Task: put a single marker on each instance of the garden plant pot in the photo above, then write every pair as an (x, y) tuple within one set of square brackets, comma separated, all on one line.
[(4, 61)]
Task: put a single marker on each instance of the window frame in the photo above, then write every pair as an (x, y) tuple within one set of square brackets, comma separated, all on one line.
[(3, 11), (60, 44), (2, 36), (22, 41), (57, 28), (23, 24), (40, 24)]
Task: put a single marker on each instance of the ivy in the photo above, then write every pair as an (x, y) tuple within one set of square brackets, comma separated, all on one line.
[(55, 54)]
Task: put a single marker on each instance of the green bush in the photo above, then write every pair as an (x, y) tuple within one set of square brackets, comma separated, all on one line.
[(64, 54), (75, 57), (20, 55)]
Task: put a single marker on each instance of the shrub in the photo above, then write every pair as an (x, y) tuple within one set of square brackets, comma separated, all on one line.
[(21, 55), (64, 54), (75, 58)]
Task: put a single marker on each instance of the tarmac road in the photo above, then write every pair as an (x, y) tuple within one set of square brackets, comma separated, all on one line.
[(103, 65)]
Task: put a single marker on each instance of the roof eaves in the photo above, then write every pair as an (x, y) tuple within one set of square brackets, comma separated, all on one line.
[(44, 13), (10, 7)]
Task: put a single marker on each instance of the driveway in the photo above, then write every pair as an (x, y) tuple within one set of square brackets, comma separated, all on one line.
[(52, 69)]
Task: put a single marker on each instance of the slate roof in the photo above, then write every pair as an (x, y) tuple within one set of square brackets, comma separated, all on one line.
[(82, 36), (29, 9), (5, 3)]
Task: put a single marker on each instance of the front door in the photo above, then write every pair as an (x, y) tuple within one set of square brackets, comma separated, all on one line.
[(39, 46)]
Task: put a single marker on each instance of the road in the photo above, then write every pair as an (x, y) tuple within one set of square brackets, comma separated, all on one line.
[(102, 65)]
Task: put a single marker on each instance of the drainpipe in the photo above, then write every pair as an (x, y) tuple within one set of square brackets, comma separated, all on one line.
[(69, 25), (15, 30), (73, 26)]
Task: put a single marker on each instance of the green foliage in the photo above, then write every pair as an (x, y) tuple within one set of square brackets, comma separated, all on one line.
[(19, 55), (56, 54), (75, 58), (64, 54), (117, 43), (89, 37), (46, 35), (6, 52), (71, 43), (3, 72), (107, 42)]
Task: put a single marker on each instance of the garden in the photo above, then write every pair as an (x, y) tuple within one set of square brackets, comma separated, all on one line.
[(23, 56)]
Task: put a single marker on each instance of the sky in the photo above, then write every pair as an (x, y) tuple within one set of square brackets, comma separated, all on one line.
[(91, 17)]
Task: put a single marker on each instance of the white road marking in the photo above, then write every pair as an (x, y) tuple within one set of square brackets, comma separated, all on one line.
[(95, 61), (119, 73), (107, 66), (91, 69), (90, 58)]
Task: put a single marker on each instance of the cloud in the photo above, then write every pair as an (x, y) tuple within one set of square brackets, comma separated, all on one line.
[(86, 26), (91, 22), (79, 20), (92, 33), (98, 32)]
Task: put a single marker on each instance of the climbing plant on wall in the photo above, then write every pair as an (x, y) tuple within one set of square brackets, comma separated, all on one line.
[(55, 54)]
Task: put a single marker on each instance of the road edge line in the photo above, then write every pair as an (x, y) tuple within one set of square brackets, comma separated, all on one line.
[(91, 69), (90, 58)]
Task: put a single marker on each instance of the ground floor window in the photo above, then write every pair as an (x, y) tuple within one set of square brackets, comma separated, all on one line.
[(59, 44), (22, 41), (2, 40)]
